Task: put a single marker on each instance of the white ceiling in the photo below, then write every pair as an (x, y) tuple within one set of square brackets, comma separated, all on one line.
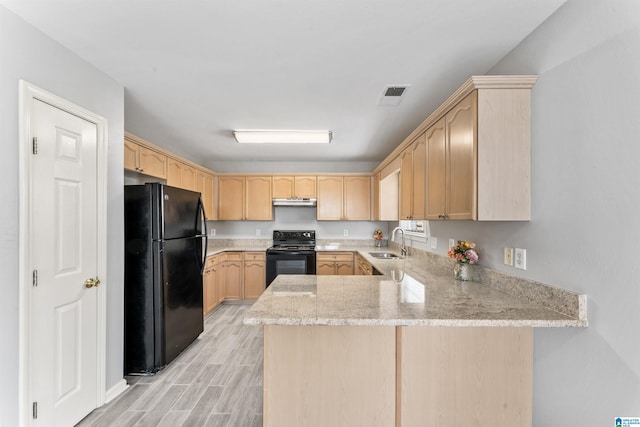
[(194, 70)]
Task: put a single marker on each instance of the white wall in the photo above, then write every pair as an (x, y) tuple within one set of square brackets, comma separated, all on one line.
[(28, 54), (296, 218), (584, 230)]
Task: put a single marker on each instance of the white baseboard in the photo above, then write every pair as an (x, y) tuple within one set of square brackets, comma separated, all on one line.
[(116, 390)]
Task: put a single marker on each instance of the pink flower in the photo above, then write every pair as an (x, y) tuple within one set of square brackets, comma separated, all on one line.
[(472, 256)]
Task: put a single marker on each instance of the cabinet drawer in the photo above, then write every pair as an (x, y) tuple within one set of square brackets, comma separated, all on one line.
[(254, 256), (211, 261), (233, 256), (334, 256)]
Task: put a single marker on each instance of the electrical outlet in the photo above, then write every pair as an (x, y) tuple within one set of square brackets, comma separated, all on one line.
[(212, 232), (520, 260), (434, 242), (258, 232), (452, 243), (346, 233), (508, 256)]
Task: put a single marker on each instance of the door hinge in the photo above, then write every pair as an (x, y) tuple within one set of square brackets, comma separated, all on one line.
[(35, 145), (35, 278), (35, 410)]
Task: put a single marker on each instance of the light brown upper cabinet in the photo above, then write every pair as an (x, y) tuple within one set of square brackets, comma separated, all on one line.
[(301, 187), (451, 154), (478, 153), (143, 160), (484, 147), (344, 198), (412, 180), (181, 175), (436, 170), (375, 212), (245, 198), (205, 185)]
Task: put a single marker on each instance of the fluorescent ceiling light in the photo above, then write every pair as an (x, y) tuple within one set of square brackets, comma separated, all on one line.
[(283, 136)]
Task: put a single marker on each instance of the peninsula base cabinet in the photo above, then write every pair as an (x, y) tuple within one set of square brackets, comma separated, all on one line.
[(398, 376)]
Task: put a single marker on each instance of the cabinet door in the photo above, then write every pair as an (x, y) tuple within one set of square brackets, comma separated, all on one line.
[(221, 290), (330, 196), (233, 279), (305, 186), (375, 213), (174, 173), (188, 177), (211, 298), (283, 186), (324, 268), (461, 162), (131, 155), (152, 163), (418, 183), (204, 185), (258, 201), (436, 170), (357, 198), (406, 178), (254, 279), (209, 205), (231, 198), (344, 268)]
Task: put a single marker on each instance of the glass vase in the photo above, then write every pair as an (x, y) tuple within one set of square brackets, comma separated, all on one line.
[(462, 271)]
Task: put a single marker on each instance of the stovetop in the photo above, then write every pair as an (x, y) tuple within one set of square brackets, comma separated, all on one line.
[(293, 240), (292, 248)]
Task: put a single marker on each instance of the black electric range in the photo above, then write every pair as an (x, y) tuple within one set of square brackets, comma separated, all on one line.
[(293, 252)]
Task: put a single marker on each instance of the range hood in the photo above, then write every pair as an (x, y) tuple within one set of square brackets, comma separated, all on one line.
[(294, 202)]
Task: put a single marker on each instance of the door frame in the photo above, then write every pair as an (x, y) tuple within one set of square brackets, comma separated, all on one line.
[(27, 94)]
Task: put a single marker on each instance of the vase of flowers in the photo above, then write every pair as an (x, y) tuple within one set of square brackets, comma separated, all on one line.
[(465, 255), (377, 237)]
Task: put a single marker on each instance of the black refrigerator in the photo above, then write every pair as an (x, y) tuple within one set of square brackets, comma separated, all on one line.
[(165, 251)]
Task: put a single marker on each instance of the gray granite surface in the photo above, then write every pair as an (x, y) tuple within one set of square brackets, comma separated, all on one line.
[(418, 290)]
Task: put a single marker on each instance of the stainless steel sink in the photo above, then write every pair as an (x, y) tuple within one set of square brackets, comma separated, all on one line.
[(383, 255)]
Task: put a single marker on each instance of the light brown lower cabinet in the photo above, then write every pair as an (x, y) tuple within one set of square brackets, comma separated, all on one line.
[(254, 274), (398, 376), (233, 275), (209, 284), (362, 266), (332, 263)]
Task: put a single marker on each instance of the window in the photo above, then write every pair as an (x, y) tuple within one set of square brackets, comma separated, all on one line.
[(418, 230)]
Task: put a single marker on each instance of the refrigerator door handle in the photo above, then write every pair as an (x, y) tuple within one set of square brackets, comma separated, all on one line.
[(205, 235)]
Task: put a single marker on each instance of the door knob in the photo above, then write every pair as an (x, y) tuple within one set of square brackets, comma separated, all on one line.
[(91, 282)]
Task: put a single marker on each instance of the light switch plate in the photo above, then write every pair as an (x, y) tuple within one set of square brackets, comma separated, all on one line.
[(520, 259), (212, 232), (508, 256), (346, 233), (452, 243)]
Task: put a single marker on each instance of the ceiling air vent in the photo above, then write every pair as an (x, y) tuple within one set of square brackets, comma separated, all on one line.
[(392, 95)]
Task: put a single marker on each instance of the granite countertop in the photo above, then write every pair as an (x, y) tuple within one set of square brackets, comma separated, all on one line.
[(408, 294)]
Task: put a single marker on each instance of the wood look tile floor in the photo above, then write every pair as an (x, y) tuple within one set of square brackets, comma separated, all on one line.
[(216, 381)]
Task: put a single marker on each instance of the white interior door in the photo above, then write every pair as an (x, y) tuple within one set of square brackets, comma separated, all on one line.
[(64, 255)]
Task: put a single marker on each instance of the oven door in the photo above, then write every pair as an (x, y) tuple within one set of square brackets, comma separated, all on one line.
[(290, 262)]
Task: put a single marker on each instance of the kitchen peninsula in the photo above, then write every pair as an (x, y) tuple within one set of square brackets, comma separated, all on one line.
[(412, 347)]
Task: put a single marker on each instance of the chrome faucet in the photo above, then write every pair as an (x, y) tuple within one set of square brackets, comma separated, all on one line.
[(403, 248)]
